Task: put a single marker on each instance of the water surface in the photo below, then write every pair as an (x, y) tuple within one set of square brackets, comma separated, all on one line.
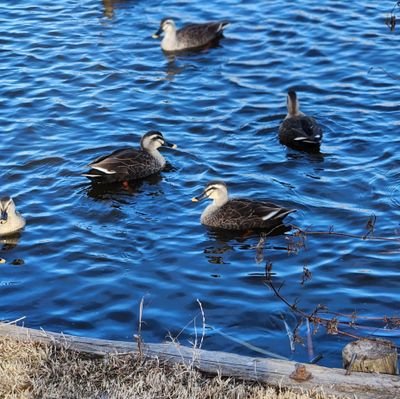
[(81, 79)]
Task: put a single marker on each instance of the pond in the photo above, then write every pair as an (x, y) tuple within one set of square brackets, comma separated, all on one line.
[(81, 79)]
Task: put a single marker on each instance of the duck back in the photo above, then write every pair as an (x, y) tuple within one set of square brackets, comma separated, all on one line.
[(124, 164), (300, 132), (244, 214)]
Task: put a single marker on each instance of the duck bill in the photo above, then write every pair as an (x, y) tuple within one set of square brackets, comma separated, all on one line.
[(157, 34), (200, 197), (170, 145), (3, 217)]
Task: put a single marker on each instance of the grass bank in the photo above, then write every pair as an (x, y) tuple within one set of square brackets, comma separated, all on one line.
[(38, 370)]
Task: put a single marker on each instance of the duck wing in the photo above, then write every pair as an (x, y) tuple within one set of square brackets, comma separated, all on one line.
[(197, 35), (242, 214), (123, 164), (312, 130)]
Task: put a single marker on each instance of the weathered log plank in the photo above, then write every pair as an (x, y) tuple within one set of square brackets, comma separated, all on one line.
[(274, 372)]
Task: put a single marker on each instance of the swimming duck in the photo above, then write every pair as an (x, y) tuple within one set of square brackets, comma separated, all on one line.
[(10, 219), (193, 36), (238, 214), (298, 130), (129, 163)]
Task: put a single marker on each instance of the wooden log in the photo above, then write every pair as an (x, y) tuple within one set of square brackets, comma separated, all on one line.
[(370, 356), (274, 372)]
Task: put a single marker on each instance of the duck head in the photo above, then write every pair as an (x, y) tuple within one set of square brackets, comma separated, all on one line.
[(216, 191), (153, 140), (7, 207), (166, 25)]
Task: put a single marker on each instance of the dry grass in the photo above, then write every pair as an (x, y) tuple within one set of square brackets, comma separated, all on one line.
[(32, 370)]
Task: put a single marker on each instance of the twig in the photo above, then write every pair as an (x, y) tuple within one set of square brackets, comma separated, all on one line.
[(248, 345), (268, 270), (310, 347), (138, 336), (350, 366), (391, 75), (289, 334), (331, 232), (353, 316), (307, 275), (203, 330), (332, 325), (391, 19), (370, 226), (196, 346), (260, 249), (16, 321)]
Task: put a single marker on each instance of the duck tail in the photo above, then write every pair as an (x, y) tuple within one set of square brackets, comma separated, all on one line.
[(94, 174), (286, 212), (277, 214), (91, 175), (223, 25)]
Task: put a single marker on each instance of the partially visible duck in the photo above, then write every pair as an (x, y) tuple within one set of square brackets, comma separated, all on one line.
[(298, 130), (130, 163), (238, 214), (10, 219), (193, 36)]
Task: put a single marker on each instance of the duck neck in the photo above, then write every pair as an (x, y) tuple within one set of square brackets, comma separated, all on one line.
[(220, 201), (169, 41), (293, 106), (213, 207), (158, 157), (14, 222)]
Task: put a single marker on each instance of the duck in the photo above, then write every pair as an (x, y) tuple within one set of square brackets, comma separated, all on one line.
[(190, 37), (298, 130), (128, 164), (238, 214), (11, 220)]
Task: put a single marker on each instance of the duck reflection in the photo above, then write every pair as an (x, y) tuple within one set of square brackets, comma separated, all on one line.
[(316, 157), (312, 160), (10, 241), (252, 240), (241, 236), (109, 6), (172, 68), (105, 191)]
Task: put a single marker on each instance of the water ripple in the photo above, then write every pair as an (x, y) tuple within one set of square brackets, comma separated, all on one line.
[(82, 79)]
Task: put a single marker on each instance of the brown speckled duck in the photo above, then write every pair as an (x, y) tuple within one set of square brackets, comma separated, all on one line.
[(298, 130), (190, 37), (238, 214), (130, 163)]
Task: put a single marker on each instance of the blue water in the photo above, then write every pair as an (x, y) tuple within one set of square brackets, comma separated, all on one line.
[(80, 79)]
